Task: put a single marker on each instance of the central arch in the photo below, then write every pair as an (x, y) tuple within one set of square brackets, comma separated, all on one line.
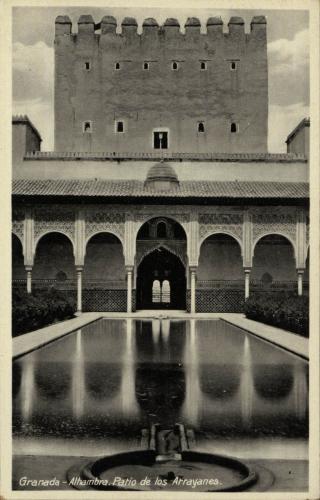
[(161, 281)]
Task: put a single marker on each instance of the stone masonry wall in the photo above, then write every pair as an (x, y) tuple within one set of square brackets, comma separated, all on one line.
[(89, 87)]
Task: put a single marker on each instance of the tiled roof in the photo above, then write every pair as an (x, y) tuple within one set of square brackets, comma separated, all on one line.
[(135, 189)]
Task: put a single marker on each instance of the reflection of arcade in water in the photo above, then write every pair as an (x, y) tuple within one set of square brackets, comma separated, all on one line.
[(118, 377)]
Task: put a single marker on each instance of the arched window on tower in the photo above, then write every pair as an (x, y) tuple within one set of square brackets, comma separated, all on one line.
[(166, 292), (233, 128), (156, 291), (201, 127), (161, 230)]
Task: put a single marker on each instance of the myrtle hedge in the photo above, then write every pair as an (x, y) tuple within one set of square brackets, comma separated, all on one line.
[(41, 308), (282, 309)]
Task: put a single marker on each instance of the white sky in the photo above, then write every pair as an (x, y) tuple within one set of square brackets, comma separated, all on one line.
[(288, 56)]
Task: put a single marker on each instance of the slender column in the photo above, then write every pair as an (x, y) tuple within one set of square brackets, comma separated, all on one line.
[(300, 281), (247, 272), (193, 289), (247, 240), (29, 278), (129, 270), (79, 288), (28, 245)]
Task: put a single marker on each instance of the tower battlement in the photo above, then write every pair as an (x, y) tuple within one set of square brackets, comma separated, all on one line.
[(129, 25), (121, 90), (171, 27)]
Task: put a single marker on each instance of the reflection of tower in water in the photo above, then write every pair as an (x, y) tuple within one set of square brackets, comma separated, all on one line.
[(190, 409), (165, 329), (156, 327), (78, 378), (246, 384), (300, 391), (127, 391), (28, 388)]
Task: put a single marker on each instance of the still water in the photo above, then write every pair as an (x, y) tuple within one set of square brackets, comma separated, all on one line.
[(99, 386)]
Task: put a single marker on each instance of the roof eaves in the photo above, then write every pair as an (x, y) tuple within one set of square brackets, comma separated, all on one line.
[(305, 122), (24, 119)]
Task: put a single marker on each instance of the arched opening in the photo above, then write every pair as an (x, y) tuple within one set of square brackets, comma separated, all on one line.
[(53, 260), (161, 273), (233, 128), (201, 127), (273, 265), (220, 284), (18, 269), (156, 291), (166, 292), (161, 281), (155, 387), (104, 274)]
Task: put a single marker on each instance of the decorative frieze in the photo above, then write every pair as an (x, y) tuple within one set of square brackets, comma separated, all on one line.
[(178, 248), (54, 218), (103, 220), (18, 217), (230, 223), (181, 218), (274, 222), (307, 230)]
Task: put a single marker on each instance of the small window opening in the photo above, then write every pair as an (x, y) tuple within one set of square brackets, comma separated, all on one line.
[(201, 127), (233, 65), (117, 65), (174, 65), (87, 65), (161, 230), (233, 127), (145, 65), (120, 127), (203, 65), (160, 140), (87, 127), (156, 291)]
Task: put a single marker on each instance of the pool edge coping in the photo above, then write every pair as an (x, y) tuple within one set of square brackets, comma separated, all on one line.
[(297, 351), (236, 319)]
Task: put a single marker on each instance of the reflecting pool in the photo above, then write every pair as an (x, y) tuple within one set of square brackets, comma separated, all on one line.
[(93, 390)]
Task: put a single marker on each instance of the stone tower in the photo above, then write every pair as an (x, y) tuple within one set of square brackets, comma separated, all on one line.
[(161, 89)]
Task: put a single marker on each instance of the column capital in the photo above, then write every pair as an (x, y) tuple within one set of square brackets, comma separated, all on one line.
[(247, 270), (28, 268), (300, 270), (79, 269), (193, 269), (129, 269)]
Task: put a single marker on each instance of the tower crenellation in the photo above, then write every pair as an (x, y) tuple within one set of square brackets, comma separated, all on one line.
[(108, 24), (116, 87)]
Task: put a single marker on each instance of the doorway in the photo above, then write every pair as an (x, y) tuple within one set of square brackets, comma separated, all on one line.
[(161, 281)]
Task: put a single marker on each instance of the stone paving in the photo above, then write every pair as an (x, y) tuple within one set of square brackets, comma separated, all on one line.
[(33, 340)]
